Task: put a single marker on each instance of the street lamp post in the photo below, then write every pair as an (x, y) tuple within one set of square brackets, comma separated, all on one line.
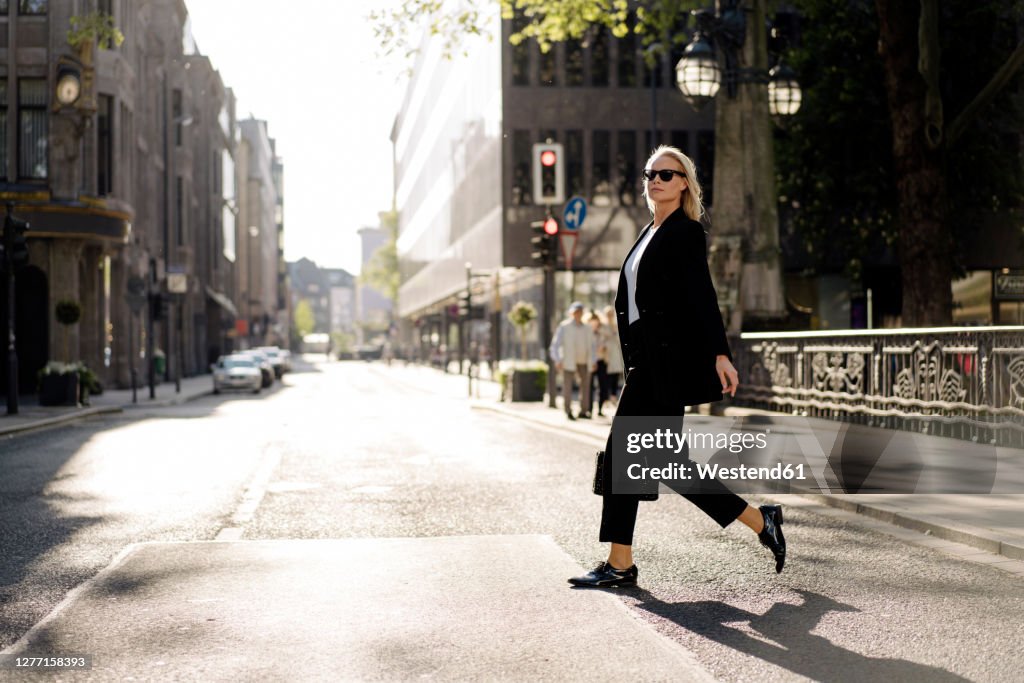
[(745, 251)]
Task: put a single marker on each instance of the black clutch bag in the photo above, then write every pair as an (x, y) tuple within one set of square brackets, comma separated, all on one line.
[(599, 480)]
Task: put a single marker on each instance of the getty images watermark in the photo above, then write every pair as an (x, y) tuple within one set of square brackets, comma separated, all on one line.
[(783, 454), (679, 442)]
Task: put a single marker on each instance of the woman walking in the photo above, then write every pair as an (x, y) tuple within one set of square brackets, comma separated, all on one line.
[(674, 346)]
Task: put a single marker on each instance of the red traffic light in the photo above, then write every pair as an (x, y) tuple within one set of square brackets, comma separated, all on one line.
[(548, 157), (551, 226)]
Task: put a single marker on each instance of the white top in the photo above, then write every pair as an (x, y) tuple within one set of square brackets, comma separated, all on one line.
[(632, 265), (573, 345)]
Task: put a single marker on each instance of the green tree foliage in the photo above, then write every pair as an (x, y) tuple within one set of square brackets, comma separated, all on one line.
[(98, 26), (855, 173), (381, 271), (521, 315), (547, 21), (837, 181), (305, 320), (834, 157)]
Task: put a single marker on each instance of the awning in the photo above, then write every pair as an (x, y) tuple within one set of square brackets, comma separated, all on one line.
[(222, 300)]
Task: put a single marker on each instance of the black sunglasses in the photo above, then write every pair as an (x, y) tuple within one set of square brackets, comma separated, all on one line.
[(665, 175)]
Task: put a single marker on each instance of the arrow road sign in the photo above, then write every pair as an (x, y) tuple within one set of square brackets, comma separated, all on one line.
[(575, 212)]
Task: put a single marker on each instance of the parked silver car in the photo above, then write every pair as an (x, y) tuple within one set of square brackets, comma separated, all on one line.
[(236, 372), (277, 359), (263, 363)]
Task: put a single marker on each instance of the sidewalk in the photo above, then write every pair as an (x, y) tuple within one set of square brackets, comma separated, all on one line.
[(33, 416)]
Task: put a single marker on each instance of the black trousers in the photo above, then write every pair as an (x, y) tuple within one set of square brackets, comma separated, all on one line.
[(640, 397)]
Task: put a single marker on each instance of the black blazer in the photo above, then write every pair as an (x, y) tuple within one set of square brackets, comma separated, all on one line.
[(683, 330)]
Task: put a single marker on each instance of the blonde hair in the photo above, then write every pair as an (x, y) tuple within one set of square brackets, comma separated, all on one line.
[(691, 199)]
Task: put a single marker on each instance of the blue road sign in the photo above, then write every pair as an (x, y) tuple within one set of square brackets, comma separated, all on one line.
[(575, 212)]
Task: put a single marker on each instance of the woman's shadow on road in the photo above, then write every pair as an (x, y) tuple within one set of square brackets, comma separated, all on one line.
[(792, 645)]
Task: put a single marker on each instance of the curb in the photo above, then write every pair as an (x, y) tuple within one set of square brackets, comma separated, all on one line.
[(976, 537), (501, 410), (58, 420)]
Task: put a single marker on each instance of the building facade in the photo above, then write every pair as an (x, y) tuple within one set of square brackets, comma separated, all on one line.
[(330, 293), (260, 235), (463, 139), (128, 187)]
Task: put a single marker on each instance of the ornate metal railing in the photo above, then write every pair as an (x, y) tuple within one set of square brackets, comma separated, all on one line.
[(966, 383)]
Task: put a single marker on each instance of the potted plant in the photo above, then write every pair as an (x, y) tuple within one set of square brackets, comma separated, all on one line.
[(527, 379), (59, 382)]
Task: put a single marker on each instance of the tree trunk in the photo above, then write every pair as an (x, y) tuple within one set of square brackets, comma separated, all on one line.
[(925, 250), (746, 199)]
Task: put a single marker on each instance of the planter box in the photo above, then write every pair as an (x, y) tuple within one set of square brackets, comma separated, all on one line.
[(528, 385), (58, 390)]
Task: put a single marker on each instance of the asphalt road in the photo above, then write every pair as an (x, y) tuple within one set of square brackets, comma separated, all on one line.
[(355, 450)]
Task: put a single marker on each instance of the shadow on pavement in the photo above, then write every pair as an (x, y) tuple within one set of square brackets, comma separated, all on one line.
[(32, 521), (793, 646)]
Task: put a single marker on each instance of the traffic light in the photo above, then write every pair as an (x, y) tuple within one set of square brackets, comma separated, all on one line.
[(465, 309), (15, 247), (157, 306), (548, 173), (544, 241)]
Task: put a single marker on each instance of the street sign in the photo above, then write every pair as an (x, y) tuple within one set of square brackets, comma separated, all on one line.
[(1009, 286), (568, 240), (575, 212), (177, 283)]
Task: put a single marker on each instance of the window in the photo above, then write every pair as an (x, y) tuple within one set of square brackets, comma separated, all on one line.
[(176, 114), (625, 166), (574, 163), (32, 128), (522, 148), (600, 185), (599, 58), (104, 145), (3, 129), (5, 6), (681, 140), (654, 71), (573, 62), (105, 7), (520, 53), (179, 213), (32, 6), (627, 56), (651, 143), (547, 67), (706, 163), (127, 153)]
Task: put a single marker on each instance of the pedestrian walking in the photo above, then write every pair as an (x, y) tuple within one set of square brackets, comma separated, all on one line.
[(676, 352), (575, 355), (602, 342), (614, 370)]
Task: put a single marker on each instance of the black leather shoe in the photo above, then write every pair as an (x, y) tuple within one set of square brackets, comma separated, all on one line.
[(771, 536), (570, 416), (605, 575), (585, 416)]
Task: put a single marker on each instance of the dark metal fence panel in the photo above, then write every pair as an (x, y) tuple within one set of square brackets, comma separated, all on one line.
[(966, 383)]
